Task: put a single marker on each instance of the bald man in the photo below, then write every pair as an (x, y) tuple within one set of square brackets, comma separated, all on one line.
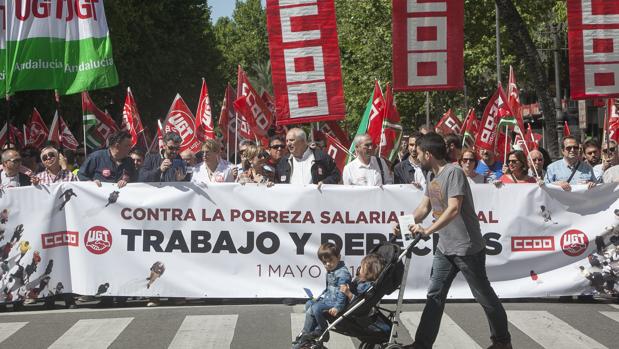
[(304, 165), (536, 160)]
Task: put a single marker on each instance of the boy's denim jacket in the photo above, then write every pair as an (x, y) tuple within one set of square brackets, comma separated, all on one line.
[(332, 295)]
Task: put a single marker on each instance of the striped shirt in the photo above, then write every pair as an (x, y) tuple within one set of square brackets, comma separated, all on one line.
[(47, 177)]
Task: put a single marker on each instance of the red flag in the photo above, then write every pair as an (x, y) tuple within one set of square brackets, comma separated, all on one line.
[(593, 54), (132, 122), (566, 129), (181, 121), (469, 129), (99, 129), (513, 99), (255, 111), (428, 45), (449, 123), (60, 133), (377, 115), (4, 135), (611, 124), (241, 105), (226, 117), (17, 136), (204, 116), (392, 128), (337, 151), (36, 131), (305, 61), (497, 107), (334, 130), (268, 101)]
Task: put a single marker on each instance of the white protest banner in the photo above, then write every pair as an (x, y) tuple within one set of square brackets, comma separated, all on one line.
[(233, 241)]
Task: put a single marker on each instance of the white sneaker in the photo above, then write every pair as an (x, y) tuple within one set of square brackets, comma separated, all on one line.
[(152, 304)]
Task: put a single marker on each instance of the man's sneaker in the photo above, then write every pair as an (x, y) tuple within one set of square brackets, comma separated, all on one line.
[(153, 303), (30, 301)]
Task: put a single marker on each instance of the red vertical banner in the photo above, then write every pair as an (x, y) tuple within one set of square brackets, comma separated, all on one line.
[(305, 61), (593, 40), (428, 45)]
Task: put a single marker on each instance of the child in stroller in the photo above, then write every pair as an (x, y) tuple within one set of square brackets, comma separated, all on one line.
[(364, 318)]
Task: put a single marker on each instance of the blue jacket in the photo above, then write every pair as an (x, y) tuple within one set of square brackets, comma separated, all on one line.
[(331, 295)]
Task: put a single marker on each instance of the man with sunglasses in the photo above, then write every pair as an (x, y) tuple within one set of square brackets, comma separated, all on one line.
[(167, 166), (277, 150), (10, 177), (53, 172), (570, 170)]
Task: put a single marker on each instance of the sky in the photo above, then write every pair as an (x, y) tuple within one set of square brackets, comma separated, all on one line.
[(223, 8)]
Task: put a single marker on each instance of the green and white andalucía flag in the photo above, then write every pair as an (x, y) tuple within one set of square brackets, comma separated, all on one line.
[(57, 45)]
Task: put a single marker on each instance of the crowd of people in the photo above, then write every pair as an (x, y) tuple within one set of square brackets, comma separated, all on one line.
[(296, 160)]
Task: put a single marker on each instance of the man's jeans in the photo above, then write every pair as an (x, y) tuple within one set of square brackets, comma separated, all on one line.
[(315, 316), (444, 270)]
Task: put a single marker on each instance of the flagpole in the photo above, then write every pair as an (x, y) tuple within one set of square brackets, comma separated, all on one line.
[(57, 100), (498, 45), (8, 118), (161, 132), (236, 138), (428, 109), (84, 129), (505, 148), (528, 152)]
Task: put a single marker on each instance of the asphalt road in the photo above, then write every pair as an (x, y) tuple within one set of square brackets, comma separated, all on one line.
[(195, 325)]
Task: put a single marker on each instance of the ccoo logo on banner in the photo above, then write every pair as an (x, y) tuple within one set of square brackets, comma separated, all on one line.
[(428, 45), (593, 38), (305, 61)]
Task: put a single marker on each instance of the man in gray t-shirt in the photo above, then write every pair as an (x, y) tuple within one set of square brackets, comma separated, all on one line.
[(461, 236), (460, 247)]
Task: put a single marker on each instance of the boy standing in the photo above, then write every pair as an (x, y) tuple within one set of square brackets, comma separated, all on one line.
[(332, 300)]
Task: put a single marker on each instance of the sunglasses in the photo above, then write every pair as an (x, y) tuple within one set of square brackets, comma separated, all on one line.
[(18, 160), (572, 147), (538, 160), (468, 160), (513, 161), (278, 146), (48, 156), (609, 150)]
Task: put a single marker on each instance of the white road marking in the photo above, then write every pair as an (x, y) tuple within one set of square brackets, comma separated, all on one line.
[(450, 335), (549, 331), (7, 329), (92, 333), (205, 331)]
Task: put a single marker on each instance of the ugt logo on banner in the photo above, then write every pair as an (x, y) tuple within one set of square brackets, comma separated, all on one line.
[(428, 45), (593, 36), (305, 61)]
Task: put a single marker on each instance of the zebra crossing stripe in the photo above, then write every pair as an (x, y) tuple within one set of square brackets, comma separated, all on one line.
[(92, 333), (611, 314), (549, 331), (205, 331), (616, 306), (8, 328), (450, 335), (337, 340)]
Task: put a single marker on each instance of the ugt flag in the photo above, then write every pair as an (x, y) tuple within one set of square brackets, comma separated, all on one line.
[(99, 125), (57, 45)]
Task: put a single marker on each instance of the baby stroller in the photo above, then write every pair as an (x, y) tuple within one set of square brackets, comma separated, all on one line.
[(364, 318)]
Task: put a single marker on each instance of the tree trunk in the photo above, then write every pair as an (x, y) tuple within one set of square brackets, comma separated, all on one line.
[(519, 34)]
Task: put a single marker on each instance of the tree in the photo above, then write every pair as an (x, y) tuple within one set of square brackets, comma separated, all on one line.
[(528, 53)]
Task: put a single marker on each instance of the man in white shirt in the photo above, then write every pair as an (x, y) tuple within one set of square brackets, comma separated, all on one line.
[(213, 169), (304, 165), (366, 169)]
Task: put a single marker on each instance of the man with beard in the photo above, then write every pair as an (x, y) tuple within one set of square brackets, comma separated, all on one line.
[(460, 248), (165, 167), (409, 171)]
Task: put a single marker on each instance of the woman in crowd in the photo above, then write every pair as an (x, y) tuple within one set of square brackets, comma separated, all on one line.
[(468, 162), (254, 166), (517, 169)]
